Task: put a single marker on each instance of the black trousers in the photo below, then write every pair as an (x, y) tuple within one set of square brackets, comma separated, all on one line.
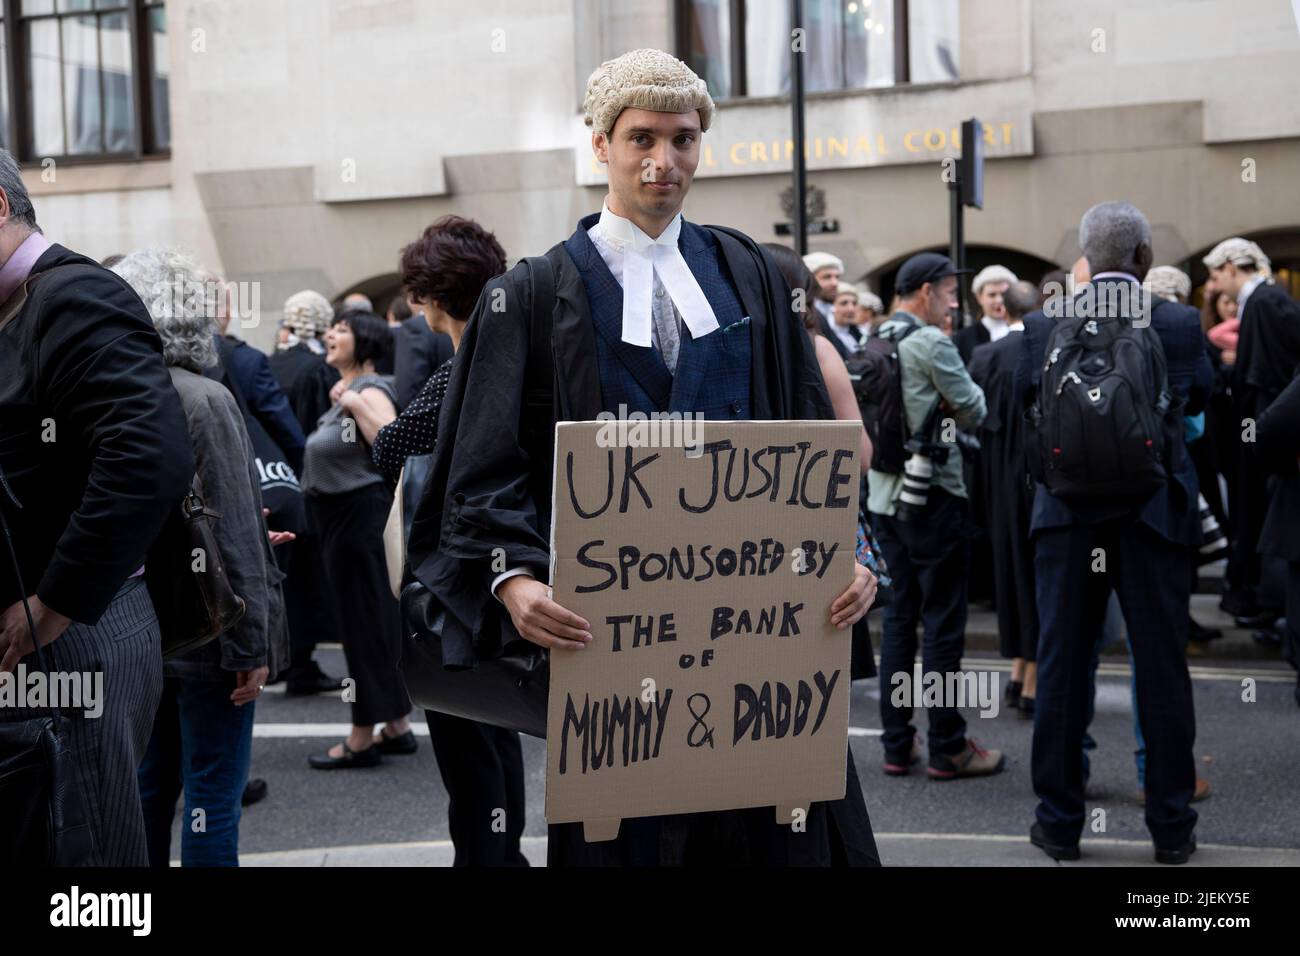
[(836, 834), (351, 528), (1251, 506), (1291, 638), (929, 561), (482, 768), (1150, 576)]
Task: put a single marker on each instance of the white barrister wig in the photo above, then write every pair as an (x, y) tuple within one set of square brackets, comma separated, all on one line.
[(820, 260), (1240, 252), (1169, 282), (993, 274), (869, 300), (647, 80), (308, 313)]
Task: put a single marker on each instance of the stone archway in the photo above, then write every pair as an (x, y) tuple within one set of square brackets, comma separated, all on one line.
[(1026, 265), (380, 290)]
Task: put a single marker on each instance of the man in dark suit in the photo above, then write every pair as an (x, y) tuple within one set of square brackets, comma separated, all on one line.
[(420, 352), (95, 451), (1006, 500), (989, 287), (651, 314), (1268, 353), (1142, 549), (250, 370)]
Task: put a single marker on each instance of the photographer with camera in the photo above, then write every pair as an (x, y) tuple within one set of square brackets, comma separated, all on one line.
[(920, 511)]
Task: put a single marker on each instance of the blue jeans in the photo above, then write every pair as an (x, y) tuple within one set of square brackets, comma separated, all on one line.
[(202, 744), (1112, 632)]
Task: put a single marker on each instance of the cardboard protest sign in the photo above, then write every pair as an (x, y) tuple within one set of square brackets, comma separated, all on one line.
[(714, 679)]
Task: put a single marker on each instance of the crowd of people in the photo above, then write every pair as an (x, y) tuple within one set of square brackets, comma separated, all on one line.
[(297, 459)]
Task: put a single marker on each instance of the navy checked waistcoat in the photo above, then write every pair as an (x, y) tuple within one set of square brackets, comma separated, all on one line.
[(713, 372)]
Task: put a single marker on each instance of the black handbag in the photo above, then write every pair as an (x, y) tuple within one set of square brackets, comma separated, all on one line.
[(508, 690), (187, 578), (44, 822), (509, 685)]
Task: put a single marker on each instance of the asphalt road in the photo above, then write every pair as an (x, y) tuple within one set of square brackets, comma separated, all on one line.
[(1250, 752)]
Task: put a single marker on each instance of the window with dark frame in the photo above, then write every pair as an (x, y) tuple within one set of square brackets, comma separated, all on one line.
[(84, 80), (741, 48)]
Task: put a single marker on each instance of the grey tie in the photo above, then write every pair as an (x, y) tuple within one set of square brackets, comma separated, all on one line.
[(666, 333)]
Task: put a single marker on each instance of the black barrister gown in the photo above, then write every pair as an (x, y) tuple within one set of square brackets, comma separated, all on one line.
[(1007, 499), (485, 492)]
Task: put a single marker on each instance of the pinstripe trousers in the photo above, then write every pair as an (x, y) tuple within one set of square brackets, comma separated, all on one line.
[(125, 645)]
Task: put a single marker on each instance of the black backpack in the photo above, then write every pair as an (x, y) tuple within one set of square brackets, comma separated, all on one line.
[(877, 380), (1104, 422)]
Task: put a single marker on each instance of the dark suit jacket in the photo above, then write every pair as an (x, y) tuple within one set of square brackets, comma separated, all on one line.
[(250, 370), (419, 353), (970, 338), (1172, 509), (93, 439), (485, 492)]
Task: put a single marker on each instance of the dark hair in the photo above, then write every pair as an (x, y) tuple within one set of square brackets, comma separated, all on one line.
[(112, 260), (1020, 299), (399, 308), (373, 340), (1055, 278), (450, 264), (797, 276), (1210, 310)]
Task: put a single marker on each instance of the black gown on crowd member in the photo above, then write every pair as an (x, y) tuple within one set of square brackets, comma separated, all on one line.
[(1268, 353), (486, 492), (1278, 450), (1005, 491)]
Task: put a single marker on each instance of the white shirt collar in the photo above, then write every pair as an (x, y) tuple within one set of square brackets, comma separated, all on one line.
[(997, 327), (624, 232), (1245, 292), (643, 259)]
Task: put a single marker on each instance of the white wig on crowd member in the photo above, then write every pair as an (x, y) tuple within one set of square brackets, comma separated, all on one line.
[(1240, 252), (1170, 283), (990, 274), (182, 301), (308, 315), (869, 300), (816, 261)]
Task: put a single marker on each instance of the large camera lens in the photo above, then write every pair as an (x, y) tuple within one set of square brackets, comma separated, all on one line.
[(918, 472)]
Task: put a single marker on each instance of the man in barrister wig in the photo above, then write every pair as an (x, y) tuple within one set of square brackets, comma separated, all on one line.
[(655, 314)]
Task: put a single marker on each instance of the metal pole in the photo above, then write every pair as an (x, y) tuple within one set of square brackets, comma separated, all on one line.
[(800, 225), (957, 246)]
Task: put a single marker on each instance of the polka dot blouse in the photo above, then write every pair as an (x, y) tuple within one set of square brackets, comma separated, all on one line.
[(415, 431)]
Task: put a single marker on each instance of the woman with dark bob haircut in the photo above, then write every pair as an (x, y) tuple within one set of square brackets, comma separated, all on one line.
[(349, 502), (482, 767)]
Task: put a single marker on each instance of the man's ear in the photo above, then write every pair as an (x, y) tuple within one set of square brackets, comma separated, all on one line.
[(600, 146)]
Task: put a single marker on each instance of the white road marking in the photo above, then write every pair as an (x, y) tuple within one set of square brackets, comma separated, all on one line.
[(277, 730)]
